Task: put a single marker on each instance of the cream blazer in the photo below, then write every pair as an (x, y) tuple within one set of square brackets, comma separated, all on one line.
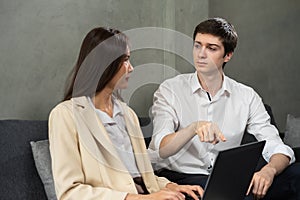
[(85, 164)]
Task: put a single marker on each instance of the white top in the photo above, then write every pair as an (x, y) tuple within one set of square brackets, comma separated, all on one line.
[(117, 131), (181, 100)]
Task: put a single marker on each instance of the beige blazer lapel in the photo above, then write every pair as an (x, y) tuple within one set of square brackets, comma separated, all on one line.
[(94, 135), (139, 149)]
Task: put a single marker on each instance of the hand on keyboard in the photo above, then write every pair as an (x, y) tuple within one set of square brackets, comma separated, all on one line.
[(188, 197)]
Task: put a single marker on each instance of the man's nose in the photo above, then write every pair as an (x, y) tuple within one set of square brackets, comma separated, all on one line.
[(202, 53)]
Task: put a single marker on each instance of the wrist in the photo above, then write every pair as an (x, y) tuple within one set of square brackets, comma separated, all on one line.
[(192, 128), (271, 169), (132, 197), (171, 185)]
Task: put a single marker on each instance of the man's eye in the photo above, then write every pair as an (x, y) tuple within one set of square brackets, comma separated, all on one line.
[(212, 48), (197, 46)]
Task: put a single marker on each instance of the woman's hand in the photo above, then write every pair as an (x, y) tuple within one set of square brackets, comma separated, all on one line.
[(172, 191), (163, 194), (188, 189)]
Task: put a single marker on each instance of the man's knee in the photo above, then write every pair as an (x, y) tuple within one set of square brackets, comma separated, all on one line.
[(294, 170), (286, 185), (294, 175)]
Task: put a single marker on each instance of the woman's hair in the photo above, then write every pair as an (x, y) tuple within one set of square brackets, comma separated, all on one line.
[(101, 55), (221, 28)]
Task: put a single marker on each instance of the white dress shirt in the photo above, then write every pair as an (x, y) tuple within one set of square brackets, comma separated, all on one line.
[(181, 100)]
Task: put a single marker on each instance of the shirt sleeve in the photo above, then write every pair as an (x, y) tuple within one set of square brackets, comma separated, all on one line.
[(165, 120), (259, 125)]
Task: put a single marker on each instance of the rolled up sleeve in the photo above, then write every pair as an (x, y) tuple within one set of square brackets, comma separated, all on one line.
[(259, 125), (165, 118)]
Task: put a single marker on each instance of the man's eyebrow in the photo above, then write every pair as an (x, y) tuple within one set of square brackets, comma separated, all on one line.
[(208, 44)]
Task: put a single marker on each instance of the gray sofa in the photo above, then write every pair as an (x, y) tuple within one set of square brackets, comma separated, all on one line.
[(19, 178)]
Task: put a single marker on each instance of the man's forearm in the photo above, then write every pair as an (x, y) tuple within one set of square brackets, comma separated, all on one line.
[(278, 162), (173, 142)]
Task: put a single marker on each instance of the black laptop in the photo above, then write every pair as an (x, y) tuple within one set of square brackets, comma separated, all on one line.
[(232, 172)]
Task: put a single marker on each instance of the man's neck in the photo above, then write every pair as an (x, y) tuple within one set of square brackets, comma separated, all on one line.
[(211, 83)]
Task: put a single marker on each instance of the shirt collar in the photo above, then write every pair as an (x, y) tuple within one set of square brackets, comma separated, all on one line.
[(105, 118), (226, 86), (195, 84)]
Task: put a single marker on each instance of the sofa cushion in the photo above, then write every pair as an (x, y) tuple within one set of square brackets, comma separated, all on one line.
[(292, 132), (19, 178), (42, 159)]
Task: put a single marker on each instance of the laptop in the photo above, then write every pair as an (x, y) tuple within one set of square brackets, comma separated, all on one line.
[(232, 172)]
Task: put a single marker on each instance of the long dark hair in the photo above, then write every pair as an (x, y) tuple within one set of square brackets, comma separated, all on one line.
[(101, 55)]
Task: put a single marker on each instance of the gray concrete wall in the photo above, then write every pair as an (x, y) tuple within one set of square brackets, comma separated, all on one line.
[(40, 40), (267, 57)]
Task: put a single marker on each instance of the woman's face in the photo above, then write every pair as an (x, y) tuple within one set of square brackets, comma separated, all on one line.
[(120, 80)]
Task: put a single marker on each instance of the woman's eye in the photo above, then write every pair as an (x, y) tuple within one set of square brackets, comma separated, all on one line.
[(126, 58), (126, 61)]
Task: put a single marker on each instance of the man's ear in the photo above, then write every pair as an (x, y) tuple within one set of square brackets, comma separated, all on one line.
[(228, 56)]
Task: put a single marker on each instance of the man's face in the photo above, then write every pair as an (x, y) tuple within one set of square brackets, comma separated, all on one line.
[(208, 53)]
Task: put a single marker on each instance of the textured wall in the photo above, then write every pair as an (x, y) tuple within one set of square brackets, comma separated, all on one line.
[(39, 43), (40, 40), (267, 57)]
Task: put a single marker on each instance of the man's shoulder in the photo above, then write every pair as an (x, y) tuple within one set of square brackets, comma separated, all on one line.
[(238, 86), (178, 79)]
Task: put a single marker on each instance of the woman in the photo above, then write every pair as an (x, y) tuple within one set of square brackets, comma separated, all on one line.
[(96, 144)]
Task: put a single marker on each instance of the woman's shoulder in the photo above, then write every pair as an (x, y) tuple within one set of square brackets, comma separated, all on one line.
[(63, 104), (62, 107)]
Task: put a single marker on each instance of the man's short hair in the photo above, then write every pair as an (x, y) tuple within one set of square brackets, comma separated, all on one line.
[(221, 28)]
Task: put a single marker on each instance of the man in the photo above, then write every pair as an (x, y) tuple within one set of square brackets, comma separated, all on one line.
[(217, 109)]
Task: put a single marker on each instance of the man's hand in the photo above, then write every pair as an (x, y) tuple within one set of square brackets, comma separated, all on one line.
[(261, 182), (173, 142), (263, 179), (208, 132)]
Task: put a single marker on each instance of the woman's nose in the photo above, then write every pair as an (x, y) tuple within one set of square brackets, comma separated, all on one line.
[(130, 68)]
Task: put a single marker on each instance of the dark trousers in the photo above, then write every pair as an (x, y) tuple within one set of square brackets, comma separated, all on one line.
[(285, 186), (182, 178)]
